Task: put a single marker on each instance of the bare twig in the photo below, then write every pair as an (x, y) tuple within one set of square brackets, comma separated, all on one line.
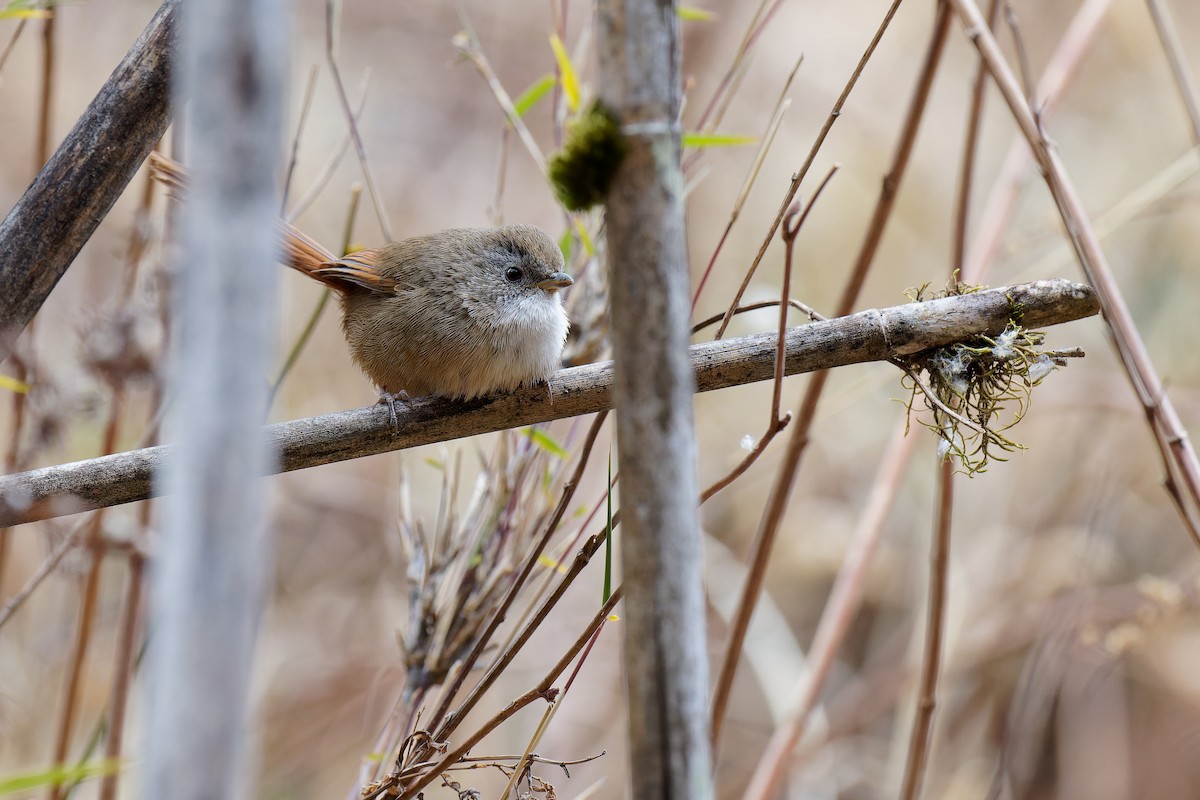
[(764, 147), (841, 606), (87, 607), (544, 690), (468, 45), (48, 226), (872, 335), (1181, 466), (1001, 201), (352, 121), (1173, 48), (785, 478), (439, 717), (305, 105), (126, 649), (775, 422), (48, 566), (834, 113), (939, 559), (966, 178), (335, 157)]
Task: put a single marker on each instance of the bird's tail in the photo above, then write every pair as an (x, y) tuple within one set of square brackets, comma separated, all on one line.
[(301, 252)]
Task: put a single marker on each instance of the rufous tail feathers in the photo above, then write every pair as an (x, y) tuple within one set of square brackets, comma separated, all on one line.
[(301, 252)]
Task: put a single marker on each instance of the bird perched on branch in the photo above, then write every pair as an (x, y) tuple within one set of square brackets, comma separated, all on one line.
[(459, 313)]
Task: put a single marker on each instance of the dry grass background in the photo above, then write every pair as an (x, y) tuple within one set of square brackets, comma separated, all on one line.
[(1072, 630)]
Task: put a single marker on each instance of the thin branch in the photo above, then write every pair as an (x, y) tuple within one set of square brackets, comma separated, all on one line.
[(49, 225), (468, 44), (966, 177), (1173, 48), (1060, 70), (785, 478), (843, 602), (87, 608), (48, 566), (872, 335), (439, 717), (1179, 455), (352, 122), (335, 157), (544, 690), (294, 156), (834, 113), (935, 623), (46, 105), (764, 147)]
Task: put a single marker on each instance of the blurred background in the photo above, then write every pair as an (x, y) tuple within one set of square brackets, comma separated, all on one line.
[(1072, 632)]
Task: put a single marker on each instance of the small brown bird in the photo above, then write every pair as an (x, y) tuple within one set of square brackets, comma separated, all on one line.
[(460, 313)]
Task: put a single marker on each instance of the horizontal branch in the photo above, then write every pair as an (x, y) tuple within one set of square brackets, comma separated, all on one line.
[(873, 335)]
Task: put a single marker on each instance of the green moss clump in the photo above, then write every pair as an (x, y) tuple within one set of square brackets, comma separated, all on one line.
[(582, 171)]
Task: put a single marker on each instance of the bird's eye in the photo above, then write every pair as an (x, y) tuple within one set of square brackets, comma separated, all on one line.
[(512, 274)]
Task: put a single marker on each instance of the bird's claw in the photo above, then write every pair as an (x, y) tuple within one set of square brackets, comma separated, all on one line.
[(390, 400)]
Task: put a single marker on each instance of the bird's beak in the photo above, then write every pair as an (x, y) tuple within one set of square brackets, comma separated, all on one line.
[(559, 280)]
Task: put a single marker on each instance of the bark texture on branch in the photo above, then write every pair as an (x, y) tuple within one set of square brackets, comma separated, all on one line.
[(666, 664), (872, 335), (75, 189), (212, 564)]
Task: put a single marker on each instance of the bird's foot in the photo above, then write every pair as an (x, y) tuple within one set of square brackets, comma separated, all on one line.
[(389, 399)]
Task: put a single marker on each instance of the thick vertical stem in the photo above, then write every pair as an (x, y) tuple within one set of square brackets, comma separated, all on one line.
[(638, 49), (211, 572)]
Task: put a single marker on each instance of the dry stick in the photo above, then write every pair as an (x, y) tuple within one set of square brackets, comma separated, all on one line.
[(748, 183), (966, 177), (446, 723), (126, 649), (450, 722), (1060, 70), (1170, 435), (294, 157), (872, 335), (843, 602), (45, 230), (812, 155), (46, 107), (1014, 30), (731, 82), (758, 22), (12, 42), (846, 593), (359, 148), (847, 590), (125, 661), (781, 488), (775, 423), (94, 541), (335, 157), (471, 48), (551, 710), (939, 559), (543, 690), (48, 566), (1173, 47)]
